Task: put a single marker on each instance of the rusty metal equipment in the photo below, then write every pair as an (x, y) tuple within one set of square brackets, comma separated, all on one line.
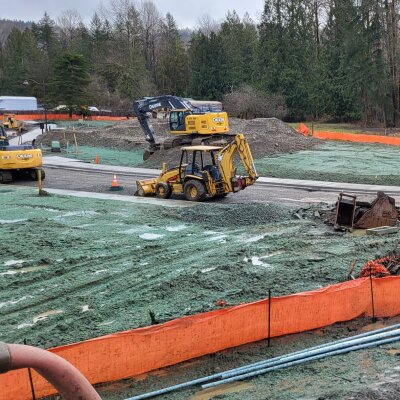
[(351, 213), (345, 210), (381, 212)]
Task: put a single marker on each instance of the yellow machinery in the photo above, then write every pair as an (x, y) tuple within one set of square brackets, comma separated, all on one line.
[(188, 124), (204, 172), (10, 122), (22, 160)]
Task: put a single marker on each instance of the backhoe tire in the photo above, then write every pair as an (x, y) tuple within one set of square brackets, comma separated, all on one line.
[(195, 190), (163, 190)]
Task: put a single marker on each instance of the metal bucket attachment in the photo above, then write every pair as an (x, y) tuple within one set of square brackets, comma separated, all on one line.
[(381, 212), (145, 187), (345, 210)]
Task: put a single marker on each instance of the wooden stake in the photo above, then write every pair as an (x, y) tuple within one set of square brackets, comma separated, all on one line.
[(76, 142), (353, 265), (39, 174)]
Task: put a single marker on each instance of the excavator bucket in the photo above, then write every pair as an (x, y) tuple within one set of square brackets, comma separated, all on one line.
[(381, 212), (145, 187), (345, 210)]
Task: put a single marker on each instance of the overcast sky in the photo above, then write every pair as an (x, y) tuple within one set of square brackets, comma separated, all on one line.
[(186, 13)]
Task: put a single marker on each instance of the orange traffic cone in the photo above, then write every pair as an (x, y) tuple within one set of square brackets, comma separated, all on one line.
[(115, 186)]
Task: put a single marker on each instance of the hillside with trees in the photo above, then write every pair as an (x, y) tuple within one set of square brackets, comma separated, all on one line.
[(312, 59)]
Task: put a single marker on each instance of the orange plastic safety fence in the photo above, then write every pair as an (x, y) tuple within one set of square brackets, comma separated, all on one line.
[(66, 117), (357, 137), (134, 352), (303, 129)]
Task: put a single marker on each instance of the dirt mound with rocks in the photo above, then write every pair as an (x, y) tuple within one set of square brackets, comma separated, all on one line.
[(267, 136)]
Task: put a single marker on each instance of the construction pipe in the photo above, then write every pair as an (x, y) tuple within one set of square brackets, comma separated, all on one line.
[(68, 381), (310, 352), (260, 364), (321, 346), (301, 361)]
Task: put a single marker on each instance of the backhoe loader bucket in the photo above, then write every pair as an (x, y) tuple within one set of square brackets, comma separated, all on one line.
[(345, 210), (381, 212), (145, 187)]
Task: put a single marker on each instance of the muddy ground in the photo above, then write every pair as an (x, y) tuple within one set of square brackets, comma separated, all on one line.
[(81, 268), (367, 374)]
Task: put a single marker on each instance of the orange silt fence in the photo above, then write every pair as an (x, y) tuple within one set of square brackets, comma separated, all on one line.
[(67, 117), (303, 129), (138, 351), (357, 137)]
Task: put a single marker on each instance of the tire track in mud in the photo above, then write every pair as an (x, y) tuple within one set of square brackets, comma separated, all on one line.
[(103, 268)]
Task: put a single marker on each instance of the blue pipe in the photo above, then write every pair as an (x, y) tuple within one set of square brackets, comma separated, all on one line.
[(310, 353), (259, 363), (290, 364)]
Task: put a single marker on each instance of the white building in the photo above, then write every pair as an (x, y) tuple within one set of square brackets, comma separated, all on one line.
[(16, 103)]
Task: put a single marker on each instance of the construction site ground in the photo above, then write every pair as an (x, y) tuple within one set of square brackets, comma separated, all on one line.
[(278, 150), (74, 268)]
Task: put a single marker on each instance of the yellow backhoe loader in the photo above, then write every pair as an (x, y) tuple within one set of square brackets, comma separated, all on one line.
[(9, 121), (22, 160), (204, 172)]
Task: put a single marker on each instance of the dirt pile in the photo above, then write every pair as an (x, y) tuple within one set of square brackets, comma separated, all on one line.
[(267, 136), (122, 135)]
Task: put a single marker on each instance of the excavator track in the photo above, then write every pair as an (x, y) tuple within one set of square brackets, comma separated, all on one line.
[(5, 177)]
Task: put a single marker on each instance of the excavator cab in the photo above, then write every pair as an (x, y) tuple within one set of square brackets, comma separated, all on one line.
[(177, 120)]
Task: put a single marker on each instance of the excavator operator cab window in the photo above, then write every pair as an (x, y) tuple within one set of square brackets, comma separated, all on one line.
[(177, 121)]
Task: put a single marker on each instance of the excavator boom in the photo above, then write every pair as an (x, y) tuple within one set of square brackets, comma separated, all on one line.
[(188, 124)]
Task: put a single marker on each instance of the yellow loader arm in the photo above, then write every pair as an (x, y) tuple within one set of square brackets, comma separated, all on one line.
[(225, 160)]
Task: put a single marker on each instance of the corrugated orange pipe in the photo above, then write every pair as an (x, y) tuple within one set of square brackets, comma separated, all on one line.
[(68, 381)]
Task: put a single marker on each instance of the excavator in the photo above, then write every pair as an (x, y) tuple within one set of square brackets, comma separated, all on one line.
[(188, 124), (21, 160), (204, 172)]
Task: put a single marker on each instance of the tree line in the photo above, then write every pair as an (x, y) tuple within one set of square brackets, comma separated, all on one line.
[(310, 59)]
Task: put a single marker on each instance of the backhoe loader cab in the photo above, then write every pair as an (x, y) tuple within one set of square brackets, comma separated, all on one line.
[(203, 172)]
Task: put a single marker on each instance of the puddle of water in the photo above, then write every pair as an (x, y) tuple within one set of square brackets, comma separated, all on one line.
[(256, 261), (24, 270), (43, 316), (254, 239), (138, 229), (208, 270), (39, 317), (9, 263), (208, 394), (106, 323), (216, 238), (12, 302), (176, 228), (150, 236), (12, 221), (100, 271)]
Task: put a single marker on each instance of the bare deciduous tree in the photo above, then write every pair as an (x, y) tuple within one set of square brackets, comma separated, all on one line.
[(248, 102), (69, 22)]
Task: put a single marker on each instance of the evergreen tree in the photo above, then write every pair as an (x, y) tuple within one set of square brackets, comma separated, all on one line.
[(173, 68), (70, 80)]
